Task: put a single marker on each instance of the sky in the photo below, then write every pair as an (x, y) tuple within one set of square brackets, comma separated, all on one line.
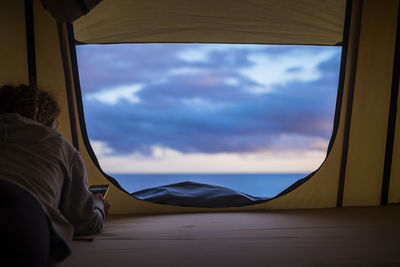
[(209, 108)]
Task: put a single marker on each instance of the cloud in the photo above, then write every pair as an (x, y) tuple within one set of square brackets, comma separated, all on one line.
[(224, 99), (272, 71), (166, 160), (112, 96)]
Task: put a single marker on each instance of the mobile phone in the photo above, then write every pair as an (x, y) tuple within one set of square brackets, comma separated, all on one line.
[(99, 188)]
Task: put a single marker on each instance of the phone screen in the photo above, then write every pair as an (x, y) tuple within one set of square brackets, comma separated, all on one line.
[(102, 189)]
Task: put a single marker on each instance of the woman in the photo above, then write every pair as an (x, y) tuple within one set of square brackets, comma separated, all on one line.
[(44, 197)]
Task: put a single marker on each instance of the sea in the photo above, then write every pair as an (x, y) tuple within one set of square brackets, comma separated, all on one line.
[(259, 185)]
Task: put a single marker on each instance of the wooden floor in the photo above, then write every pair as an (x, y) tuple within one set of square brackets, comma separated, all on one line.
[(327, 237)]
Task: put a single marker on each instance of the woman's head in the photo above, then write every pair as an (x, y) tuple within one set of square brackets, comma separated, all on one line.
[(32, 103)]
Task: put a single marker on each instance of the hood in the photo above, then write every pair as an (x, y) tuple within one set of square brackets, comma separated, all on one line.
[(17, 129)]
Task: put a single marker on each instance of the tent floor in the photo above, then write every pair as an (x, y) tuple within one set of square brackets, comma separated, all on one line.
[(368, 236)]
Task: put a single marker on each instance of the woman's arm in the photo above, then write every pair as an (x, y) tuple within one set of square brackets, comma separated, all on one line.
[(81, 208)]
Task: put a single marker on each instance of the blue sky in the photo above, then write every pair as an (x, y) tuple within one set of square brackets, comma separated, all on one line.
[(209, 108)]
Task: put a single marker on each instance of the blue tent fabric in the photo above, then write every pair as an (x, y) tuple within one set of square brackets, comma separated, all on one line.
[(197, 195)]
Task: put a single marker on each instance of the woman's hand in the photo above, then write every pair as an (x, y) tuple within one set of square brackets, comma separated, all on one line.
[(106, 203)]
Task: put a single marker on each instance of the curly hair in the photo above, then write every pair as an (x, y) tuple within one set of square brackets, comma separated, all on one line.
[(29, 102)]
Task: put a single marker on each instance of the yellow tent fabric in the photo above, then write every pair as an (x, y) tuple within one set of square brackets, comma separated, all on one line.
[(223, 21), (353, 172), (12, 36), (371, 90)]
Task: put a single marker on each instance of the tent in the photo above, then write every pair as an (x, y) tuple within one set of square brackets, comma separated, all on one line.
[(361, 168)]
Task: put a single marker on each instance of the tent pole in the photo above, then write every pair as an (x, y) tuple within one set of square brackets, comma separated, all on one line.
[(30, 43), (62, 36), (352, 15), (392, 117), (31, 51)]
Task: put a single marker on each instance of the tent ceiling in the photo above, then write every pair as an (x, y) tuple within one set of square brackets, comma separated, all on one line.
[(216, 21)]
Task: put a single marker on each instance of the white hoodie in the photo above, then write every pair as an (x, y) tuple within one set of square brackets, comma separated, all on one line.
[(41, 161)]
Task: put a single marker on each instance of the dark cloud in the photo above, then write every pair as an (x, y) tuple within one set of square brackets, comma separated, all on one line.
[(201, 112), (106, 66)]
